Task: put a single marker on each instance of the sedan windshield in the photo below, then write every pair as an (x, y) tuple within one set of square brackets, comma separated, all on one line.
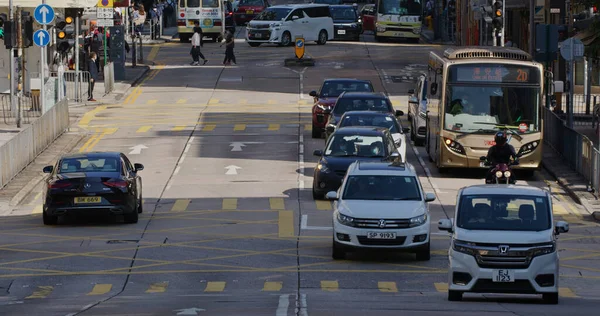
[(404, 188), (504, 212), (72, 165), (273, 14), (333, 89), (355, 146), (356, 104), (371, 120), (343, 14)]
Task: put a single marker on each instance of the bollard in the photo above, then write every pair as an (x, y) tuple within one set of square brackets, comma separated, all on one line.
[(133, 53)]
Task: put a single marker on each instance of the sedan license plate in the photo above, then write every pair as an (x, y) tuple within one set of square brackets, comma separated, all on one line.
[(382, 235), (341, 32), (249, 11), (88, 199), (503, 276)]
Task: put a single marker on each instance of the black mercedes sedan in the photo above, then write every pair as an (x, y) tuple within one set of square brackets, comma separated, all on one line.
[(93, 182), (347, 23), (347, 145)]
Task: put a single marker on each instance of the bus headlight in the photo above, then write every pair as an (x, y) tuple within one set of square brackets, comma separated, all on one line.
[(380, 28), (498, 174), (454, 146), (507, 174), (528, 148)]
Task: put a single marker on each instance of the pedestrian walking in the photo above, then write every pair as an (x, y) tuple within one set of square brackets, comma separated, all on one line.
[(93, 75), (155, 27), (229, 45), (196, 44)]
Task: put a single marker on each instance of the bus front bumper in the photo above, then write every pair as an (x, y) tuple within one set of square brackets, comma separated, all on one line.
[(452, 160)]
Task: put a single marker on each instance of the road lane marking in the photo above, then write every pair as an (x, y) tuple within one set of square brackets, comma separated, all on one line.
[(427, 171), (243, 101), (303, 305), (387, 287), (213, 101), (272, 286), (441, 287), (566, 292), (229, 204), (100, 289), (329, 286), (276, 203), (323, 205), (209, 128), (151, 101), (180, 205), (179, 128), (35, 198), (144, 129), (304, 225), (301, 184), (286, 224), (88, 142), (103, 132), (89, 116), (41, 292), (181, 101), (153, 53), (283, 306), (272, 102), (274, 127), (559, 209), (38, 209), (158, 287), (307, 127), (214, 287), (239, 127)]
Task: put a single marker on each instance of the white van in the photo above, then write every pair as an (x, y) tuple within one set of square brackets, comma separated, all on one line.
[(503, 241), (282, 23)]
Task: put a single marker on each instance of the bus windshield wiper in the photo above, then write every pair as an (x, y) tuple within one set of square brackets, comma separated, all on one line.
[(479, 131), (511, 129)]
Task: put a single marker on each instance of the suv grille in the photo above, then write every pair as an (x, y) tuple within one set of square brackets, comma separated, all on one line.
[(363, 240), (375, 223)]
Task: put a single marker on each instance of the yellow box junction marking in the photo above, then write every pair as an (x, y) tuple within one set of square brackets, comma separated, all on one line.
[(41, 292), (276, 203), (441, 287), (152, 102), (229, 204), (215, 287), (93, 141), (89, 116), (323, 205), (144, 129), (180, 205), (181, 101), (272, 102), (272, 286), (286, 224), (213, 101), (100, 289), (153, 53), (274, 127), (387, 287), (38, 209), (566, 292), (329, 286), (308, 127), (209, 127), (243, 101), (179, 128), (158, 287), (239, 127)]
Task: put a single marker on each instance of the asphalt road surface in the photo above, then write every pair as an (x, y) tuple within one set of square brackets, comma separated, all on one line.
[(229, 224)]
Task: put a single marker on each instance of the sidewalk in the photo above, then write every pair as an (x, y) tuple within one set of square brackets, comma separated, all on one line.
[(170, 34), (428, 37)]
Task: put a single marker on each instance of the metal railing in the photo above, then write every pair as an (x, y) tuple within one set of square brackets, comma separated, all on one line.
[(29, 106), (75, 89), (109, 78)]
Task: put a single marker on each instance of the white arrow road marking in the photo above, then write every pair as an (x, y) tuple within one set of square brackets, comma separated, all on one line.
[(137, 149), (231, 169), (304, 225), (189, 311), (237, 146)]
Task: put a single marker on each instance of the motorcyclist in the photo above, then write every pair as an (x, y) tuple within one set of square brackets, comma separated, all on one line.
[(500, 153)]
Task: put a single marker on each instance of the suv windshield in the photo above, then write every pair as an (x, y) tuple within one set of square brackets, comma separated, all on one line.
[(504, 212), (388, 188), (370, 120), (333, 89), (344, 105), (343, 14), (273, 14), (355, 146)]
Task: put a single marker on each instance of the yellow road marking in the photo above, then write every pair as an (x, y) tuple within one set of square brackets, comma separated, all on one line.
[(239, 127), (181, 101), (158, 287), (151, 101), (441, 287), (286, 224), (135, 94), (302, 102), (243, 101), (387, 287), (179, 128), (229, 204), (90, 146), (153, 53), (89, 116), (274, 127), (213, 101), (566, 292), (208, 128), (330, 286), (35, 198), (323, 205), (396, 103), (276, 203), (180, 205), (308, 127), (272, 102), (144, 129), (38, 209), (272, 286), (100, 289), (214, 287), (559, 209), (41, 292)]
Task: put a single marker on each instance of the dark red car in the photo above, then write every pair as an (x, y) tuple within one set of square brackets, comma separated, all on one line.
[(248, 9), (325, 99)]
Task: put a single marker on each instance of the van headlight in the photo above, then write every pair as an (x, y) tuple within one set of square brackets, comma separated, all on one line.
[(463, 247), (275, 25), (418, 220), (544, 249), (499, 174), (507, 174), (345, 220)]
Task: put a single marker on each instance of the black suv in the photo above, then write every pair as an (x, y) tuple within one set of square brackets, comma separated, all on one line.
[(347, 24)]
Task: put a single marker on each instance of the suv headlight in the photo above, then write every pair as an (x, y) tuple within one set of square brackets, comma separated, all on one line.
[(544, 249), (463, 247), (323, 168), (418, 220), (345, 220), (380, 28)]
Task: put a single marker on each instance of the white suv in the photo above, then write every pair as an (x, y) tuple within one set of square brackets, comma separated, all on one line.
[(503, 241), (381, 205)]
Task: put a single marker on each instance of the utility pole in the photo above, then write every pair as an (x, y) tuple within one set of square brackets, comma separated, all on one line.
[(532, 27), (77, 81), (13, 55)]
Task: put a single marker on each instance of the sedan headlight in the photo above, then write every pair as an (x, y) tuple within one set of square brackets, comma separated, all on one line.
[(463, 247), (418, 220), (499, 174), (345, 220), (544, 249), (507, 174), (323, 168)]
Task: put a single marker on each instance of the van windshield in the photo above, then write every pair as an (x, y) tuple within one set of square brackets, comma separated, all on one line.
[(504, 212)]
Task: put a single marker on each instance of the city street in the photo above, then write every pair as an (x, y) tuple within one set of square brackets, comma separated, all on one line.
[(229, 225)]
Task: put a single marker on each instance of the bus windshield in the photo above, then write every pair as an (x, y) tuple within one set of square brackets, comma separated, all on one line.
[(508, 98), (400, 7)]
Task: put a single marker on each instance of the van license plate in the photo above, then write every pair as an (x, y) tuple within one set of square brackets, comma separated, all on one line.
[(503, 276), (377, 235), (341, 32)]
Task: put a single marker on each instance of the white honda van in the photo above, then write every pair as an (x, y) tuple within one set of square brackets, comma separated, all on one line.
[(281, 25), (503, 241)]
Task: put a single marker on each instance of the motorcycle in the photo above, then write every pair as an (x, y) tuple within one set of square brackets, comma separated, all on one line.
[(502, 173)]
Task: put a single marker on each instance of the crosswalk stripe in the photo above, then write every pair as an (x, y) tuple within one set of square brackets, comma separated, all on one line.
[(144, 129), (286, 224), (274, 127), (152, 102), (243, 101), (209, 127), (308, 127), (387, 287), (37, 209), (323, 205), (158, 287), (239, 127), (100, 289), (178, 128), (303, 102), (213, 101), (276, 203), (329, 286), (566, 292), (181, 101), (180, 205), (441, 287), (272, 286), (229, 204), (41, 292), (214, 287)]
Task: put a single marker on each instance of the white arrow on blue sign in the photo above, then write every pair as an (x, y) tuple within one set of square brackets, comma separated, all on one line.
[(41, 38), (299, 43), (43, 14)]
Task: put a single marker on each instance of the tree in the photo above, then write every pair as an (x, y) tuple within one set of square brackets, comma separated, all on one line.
[(593, 49)]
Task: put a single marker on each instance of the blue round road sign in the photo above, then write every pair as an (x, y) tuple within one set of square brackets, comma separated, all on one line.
[(43, 14), (299, 43), (41, 38)]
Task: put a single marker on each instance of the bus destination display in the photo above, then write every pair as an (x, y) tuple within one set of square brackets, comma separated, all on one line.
[(494, 74)]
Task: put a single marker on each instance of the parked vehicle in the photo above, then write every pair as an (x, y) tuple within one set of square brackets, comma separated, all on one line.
[(346, 22), (248, 10), (417, 111)]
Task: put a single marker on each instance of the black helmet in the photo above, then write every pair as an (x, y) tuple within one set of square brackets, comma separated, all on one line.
[(500, 138)]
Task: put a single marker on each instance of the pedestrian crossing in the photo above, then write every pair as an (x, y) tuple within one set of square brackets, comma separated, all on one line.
[(246, 102), (142, 128), (332, 286)]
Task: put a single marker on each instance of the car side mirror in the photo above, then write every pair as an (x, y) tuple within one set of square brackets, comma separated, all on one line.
[(445, 224), (399, 113), (405, 130), (561, 227), (429, 197), (433, 88), (138, 167), (295, 17), (330, 129), (313, 94), (331, 195), (48, 169), (318, 153)]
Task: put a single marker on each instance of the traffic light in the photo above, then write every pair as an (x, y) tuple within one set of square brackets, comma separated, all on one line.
[(3, 18), (498, 19), (64, 33), (8, 32), (488, 15), (27, 29)]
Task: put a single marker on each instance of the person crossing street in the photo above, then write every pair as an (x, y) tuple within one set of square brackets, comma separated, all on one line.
[(196, 44)]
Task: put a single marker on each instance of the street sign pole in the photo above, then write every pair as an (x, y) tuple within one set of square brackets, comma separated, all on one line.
[(13, 103), (43, 73), (571, 84), (77, 81), (44, 15)]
